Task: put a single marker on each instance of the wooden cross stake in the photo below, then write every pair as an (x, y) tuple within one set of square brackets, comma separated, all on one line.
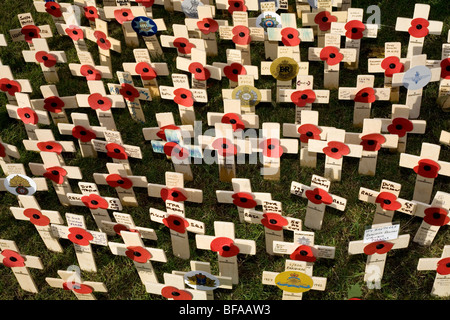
[(441, 287)]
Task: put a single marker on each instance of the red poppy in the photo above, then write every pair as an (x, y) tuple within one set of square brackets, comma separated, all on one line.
[(199, 71), (309, 131), (419, 27), (241, 35), (392, 65), (170, 292), (138, 254), (318, 196), (146, 3), (36, 217), (183, 45), (289, 37), (236, 5), (274, 221), (102, 40), (97, 101), (271, 148), (372, 142), (207, 25), (244, 200), (224, 147), (336, 149), (436, 216), (443, 266), (183, 97), (27, 115), (12, 259), (91, 13), (75, 33), (90, 72), (50, 146), (234, 119), (365, 95), (83, 134), (233, 71), (56, 174), (30, 32), (174, 194), (380, 247), (173, 149), (303, 253), (94, 201), (116, 151), (120, 227), (427, 168), (129, 92), (80, 236), (388, 201), (400, 126), (114, 180), (324, 19), (301, 97), (331, 55), (224, 246), (123, 15), (176, 223), (162, 134), (53, 8), (2, 151), (145, 71), (445, 68), (354, 29), (10, 86), (77, 287), (54, 104)]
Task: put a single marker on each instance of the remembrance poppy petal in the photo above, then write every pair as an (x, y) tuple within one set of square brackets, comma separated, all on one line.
[(372, 142), (274, 221), (224, 147), (123, 15), (199, 71), (419, 27), (138, 254), (90, 72), (94, 201), (114, 180), (301, 97), (45, 58), (75, 33), (183, 45), (379, 247), (400, 126), (289, 37), (391, 66), (27, 115), (97, 101), (233, 71), (50, 146), (162, 134), (173, 149), (443, 267), (145, 71), (83, 134), (271, 148), (234, 119), (10, 86), (174, 194), (331, 55), (324, 19), (53, 8), (36, 217), (91, 13), (388, 201), (244, 200), (116, 151), (80, 236), (236, 5), (129, 92), (355, 29), (309, 131), (176, 223), (54, 104), (170, 292), (241, 35), (445, 68), (336, 149), (77, 287), (183, 97), (436, 216), (365, 95), (146, 3), (224, 246), (319, 196), (303, 253), (427, 168), (207, 26), (56, 174), (30, 32), (102, 40), (12, 259)]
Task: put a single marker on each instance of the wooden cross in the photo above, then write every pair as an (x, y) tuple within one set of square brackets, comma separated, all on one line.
[(82, 239), (133, 248), (318, 199), (232, 114), (175, 219), (181, 41), (19, 264), (165, 120), (87, 68), (124, 15), (118, 178), (445, 137), (77, 34), (174, 288), (53, 8), (227, 248), (10, 86), (18, 183), (387, 200), (441, 265), (334, 149), (7, 151), (444, 63), (3, 43), (237, 5), (28, 30), (428, 167), (147, 28), (418, 28), (125, 222)]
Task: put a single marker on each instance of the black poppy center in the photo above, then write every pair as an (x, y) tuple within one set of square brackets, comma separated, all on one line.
[(436, 215), (175, 194), (270, 147), (183, 96), (387, 201), (448, 265), (175, 294), (177, 222), (304, 96), (116, 150), (419, 26), (447, 68), (325, 19), (354, 30), (27, 115), (90, 71), (224, 146), (9, 86), (364, 95), (303, 252), (226, 248), (145, 70), (94, 202), (45, 58), (290, 36), (100, 102), (55, 173), (31, 34), (137, 254), (243, 200), (392, 65), (54, 104), (53, 7), (334, 150), (91, 11), (198, 70), (371, 142), (399, 127), (241, 34), (125, 14), (13, 259), (237, 4), (332, 55), (207, 25), (233, 121), (79, 236), (427, 168), (36, 216), (183, 45), (128, 93), (120, 181), (235, 71), (309, 134), (48, 147), (83, 133), (273, 221), (318, 197), (380, 246), (75, 32)]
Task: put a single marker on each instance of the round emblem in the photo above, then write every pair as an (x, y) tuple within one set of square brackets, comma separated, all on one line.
[(20, 185), (294, 281), (284, 68), (249, 95), (189, 8), (144, 26), (416, 78), (201, 280), (268, 20)]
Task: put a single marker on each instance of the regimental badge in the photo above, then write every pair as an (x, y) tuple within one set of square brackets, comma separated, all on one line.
[(293, 281), (249, 95), (284, 68), (189, 8), (20, 185), (268, 20), (201, 280), (416, 78), (144, 26)]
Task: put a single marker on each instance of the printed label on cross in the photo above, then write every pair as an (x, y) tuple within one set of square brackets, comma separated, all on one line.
[(174, 288), (441, 285)]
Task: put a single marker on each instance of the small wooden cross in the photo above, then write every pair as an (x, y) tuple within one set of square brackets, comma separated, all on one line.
[(57, 10), (181, 41), (165, 120), (444, 63), (441, 287), (174, 288), (7, 151), (10, 86), (28, 30), (125, 222), (148, 28), (237, 5), (445, 137), (232, 114), (88, 69), (77, 34)]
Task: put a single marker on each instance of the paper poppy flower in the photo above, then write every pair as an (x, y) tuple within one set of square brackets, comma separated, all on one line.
[(102, 40), (176, 223), (244, 200), (303, 253), (83, 134), (319, 196), (388, 201), (80, 236), (91, 13), (94, 201), (2, 151), (56, 174), (336, 149), (354, 29), (224, 246), (173, 149), (162, 131), (271, 148), (274, 221), (236, 5), (436, 216), (445, 68), (90, 72), (400, 126), (129, 92), (120, 227), (241, 35), (183, 97), (97, 101), (123, 15), (170, 292), (114, 180), (183, 45), (145, 71), (10, 86), (234, 119), (174, 194), (53, 8), (427, 168), (324, 19), (443, 267), (419, 27), (50, 146), (75, 33), (77, 287), (207, 25), (302, 97), (331, 55), (365, 95), (36, 217), (27, 115), (45, 58), (233, 71), (289, 37), (309, 131), (30, 32), (146, 3), (372, 142), (199, 72), (379, 247), (138, 254), (54, 104), (116, 151), (12, 259), (391, 66), (224, 147)]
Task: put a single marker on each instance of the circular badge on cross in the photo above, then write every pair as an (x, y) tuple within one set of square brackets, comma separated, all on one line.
[(144, 26), (284, 68)]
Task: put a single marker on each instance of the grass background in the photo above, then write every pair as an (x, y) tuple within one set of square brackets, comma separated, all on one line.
[(401, 280)]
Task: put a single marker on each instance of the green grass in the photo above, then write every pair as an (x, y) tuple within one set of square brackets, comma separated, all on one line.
[(401, 279)]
